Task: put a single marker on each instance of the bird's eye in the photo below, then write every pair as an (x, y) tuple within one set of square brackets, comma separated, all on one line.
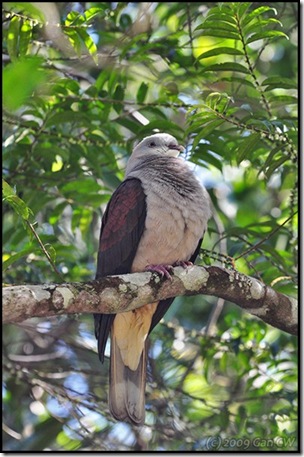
[(152, 144)]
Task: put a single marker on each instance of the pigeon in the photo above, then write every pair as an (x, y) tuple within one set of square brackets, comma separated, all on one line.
[(155, 220)]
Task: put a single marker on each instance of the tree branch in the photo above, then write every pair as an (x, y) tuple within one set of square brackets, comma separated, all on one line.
[(115, 294)]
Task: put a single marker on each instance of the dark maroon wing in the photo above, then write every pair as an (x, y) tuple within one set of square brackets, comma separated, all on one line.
[(164, 305), (122, 226)]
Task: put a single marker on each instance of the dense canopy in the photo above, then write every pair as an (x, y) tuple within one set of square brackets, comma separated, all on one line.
[(84, 81)]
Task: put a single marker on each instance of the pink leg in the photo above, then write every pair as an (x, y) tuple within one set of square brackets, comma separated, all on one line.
[(183, 264), (163, 270)]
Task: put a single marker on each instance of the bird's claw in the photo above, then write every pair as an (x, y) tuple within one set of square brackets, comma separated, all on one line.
[(166, 269), (163, 270), (184, 264)]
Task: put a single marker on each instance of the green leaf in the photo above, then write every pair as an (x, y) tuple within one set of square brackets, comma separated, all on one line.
[(204, 156), (275, 164), (112, 79), (218, 25), (266, 35), (279, 82), (282, 99), (26, 69), (59, 118), (125, 21), (64, 86), (163, 126), (242, 7), (220, 32), (219, 51), (66, 443), (142, 92), (12, 37), (261, 25), (218, 101), (239, 80), (270, 157), (12, 258), (102, 80), (28, 8), (255, 13), (92, 12), (51, 251), (83, 186), (227, 66), (274, 253), (16, 203), (118, 95), (196, 121), (74, 39), (7, 190), (128, 124), (206, 130), (73, 18), (247, 146), (215, 16), (25, 37), (88, 42), (153, 112)]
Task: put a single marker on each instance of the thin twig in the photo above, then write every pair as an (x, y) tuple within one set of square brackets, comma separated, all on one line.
[(251, 71), (255, 246), (30, 226), (218, 306)]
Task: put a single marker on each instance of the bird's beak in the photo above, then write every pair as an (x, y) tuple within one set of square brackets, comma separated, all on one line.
[(175, 149)]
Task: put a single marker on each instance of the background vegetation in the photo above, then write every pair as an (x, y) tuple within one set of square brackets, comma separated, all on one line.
[(82, 82)]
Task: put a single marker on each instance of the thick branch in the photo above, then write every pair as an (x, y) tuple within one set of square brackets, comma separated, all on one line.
[(115, 294)]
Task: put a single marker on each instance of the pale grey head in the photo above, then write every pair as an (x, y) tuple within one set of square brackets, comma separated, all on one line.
[(159, 143)]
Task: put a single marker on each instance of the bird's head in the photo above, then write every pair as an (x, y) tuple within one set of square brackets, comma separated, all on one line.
[(159, 144)]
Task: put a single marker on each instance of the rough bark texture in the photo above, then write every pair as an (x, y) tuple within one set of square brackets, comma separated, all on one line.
[(115, 294)]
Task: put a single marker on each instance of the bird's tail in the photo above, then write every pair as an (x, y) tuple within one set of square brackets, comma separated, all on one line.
[(127, 387)]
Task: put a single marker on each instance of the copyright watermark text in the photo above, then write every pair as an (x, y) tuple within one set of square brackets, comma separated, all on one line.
[(218, 443)]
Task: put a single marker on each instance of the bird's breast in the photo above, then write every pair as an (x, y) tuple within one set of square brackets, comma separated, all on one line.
[(173, 227)]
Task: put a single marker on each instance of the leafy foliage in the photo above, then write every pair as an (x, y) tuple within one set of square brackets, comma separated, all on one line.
[(81, 83)]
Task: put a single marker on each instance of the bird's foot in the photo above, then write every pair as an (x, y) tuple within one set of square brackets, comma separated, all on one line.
[(184, 264), (163, 270)]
